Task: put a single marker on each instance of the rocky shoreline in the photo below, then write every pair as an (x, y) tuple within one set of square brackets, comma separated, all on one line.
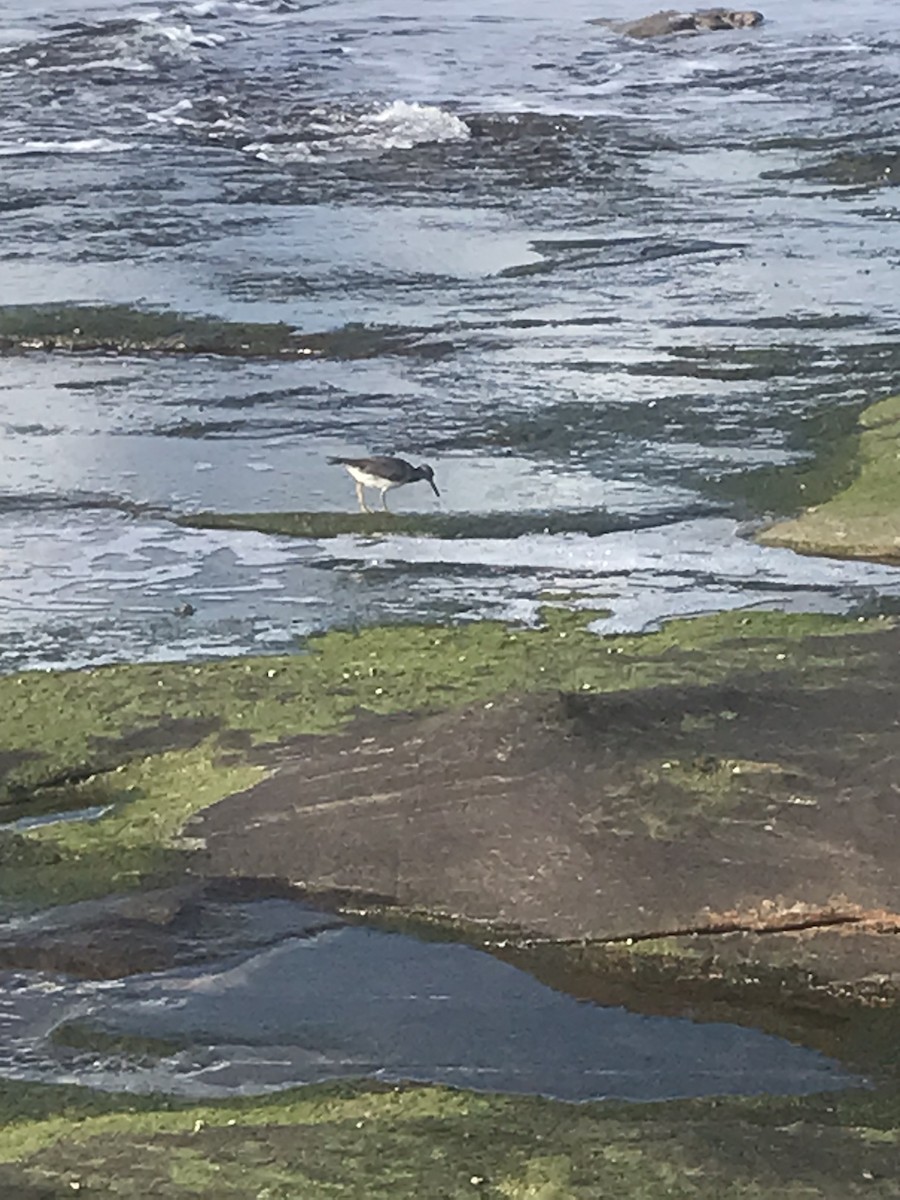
[(700, 818)]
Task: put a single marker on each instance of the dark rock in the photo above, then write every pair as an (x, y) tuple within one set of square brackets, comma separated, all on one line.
[(664, 24), (101, 939), (704, 810), (191, 922)]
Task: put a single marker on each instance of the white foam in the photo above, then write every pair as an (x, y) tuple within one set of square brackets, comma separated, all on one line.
[(174, 114), (182, 39), (112, 47), (99, 145), (122, 62), (399, 126), (647, 576), (407, 124)]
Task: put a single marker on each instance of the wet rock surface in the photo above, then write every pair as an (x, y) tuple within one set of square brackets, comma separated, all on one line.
[(154, 930), (688, 809), (862, 520), (671, 21)]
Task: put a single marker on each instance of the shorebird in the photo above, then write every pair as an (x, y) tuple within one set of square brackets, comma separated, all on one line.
[(383, 473)]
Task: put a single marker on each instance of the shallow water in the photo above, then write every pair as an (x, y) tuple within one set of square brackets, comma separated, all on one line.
[(627, 270), (332, 1003)]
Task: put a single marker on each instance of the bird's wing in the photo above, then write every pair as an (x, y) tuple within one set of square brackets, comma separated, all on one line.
[(394, 469)]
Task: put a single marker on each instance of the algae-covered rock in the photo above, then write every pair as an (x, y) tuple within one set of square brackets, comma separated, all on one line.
[(863, 519), (121, 329), (575, 786), (406, 1143), (142, 747), (592, 521)]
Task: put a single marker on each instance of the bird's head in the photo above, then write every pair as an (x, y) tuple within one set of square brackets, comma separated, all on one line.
[(425, 472)]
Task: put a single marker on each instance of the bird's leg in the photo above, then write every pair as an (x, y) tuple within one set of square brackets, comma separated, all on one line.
[(361, 497), (384, 501)]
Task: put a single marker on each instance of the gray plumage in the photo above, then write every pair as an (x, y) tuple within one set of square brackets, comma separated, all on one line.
[(383, 472)]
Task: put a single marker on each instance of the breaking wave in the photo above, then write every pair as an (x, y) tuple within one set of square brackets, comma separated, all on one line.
[(134, 45), (317, 135), (97, 145), (399, 126)]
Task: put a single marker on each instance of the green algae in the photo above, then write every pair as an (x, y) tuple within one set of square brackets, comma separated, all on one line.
[(118, 327), (592, 521), (142, 1050), (685, 798), (122, 329), (830, 443), (159, 742), (137, 842), (380, 1142), (862, 519)]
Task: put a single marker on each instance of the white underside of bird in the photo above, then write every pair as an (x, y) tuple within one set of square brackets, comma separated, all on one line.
[(363, 480), (373, 481)]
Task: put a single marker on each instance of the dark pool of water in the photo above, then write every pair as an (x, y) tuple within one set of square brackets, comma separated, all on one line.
[(353, 1002)]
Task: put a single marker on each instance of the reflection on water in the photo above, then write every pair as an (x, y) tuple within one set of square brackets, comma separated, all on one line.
[(353, 1002)]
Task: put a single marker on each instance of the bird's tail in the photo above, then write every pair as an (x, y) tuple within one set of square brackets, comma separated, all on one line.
[(336, 461)]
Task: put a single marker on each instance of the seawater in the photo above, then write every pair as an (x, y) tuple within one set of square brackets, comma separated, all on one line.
[(618, 274)]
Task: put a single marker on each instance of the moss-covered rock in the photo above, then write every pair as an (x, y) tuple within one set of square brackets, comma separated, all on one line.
[(412, 1142), (121, 329), (862, 520), (149, 745), (591, 521)]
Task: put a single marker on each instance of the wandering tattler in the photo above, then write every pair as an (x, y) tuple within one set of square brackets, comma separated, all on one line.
[(383, 473)]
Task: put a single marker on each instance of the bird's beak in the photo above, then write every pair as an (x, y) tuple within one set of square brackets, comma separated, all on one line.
[(434, 488)]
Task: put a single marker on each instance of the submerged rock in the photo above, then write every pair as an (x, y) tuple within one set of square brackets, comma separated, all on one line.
[(591, 521), (192, 921), (101, 939), (130, 330), (663, 24)]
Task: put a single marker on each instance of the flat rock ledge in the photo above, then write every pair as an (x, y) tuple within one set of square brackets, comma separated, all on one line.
[(766, 814), (720, 795), (862, 520)]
